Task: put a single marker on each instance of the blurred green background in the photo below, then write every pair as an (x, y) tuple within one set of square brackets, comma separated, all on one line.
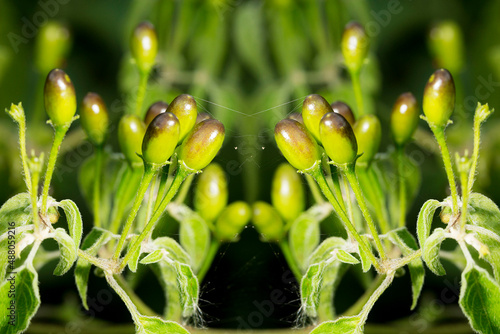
[(250, 63)]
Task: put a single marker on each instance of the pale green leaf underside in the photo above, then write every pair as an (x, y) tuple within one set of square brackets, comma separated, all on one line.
[(345, 325), (304, 237), (153, 325), (430, 251), (194, 236), (323, 251), (74, 219), (424, 220), (175, 251), (68, 249)]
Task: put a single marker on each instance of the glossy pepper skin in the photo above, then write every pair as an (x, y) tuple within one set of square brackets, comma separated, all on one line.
[(211, 192), (94, 117), (368, 132), (296, 144), (154, 110), (268, 222), (404, 118), (144, 46), (59, 98), (338, 139), (287, 192), (160, 139), (313, 109), (342, 108), (52, 45), (202, 144), (439, 98), (354, 46), (131, 132), (184, 107), (232, 221)]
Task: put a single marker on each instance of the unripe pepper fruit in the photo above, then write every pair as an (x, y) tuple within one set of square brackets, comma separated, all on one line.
[(368, 132), (404, 118), (131, 132), (211, 192), (338, 139), (287, 192), (144, 46), (313, 109), (267, 221), (232, 220), (154, 110), (184, 107), (160, 139), (439, 98), (94, 118), (59, 98)]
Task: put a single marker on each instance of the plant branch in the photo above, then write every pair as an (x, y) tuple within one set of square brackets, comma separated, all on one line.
[(96, 198)]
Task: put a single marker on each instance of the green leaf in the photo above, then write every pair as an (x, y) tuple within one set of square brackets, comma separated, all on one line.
[(366, 263), (69, 251), (188, 289), (9, 240), (26, 300), (91, 245), (17, 209), (408, 245), (344, 325), (74, 219), (491, 240), (430, 251), (424, 220), (310, 287), (483, 212), (194, 234), (154, 325), (134, 260), (323, 251), (153, 257), (175, 251), (304, 237), (479, 295), (344, 257)]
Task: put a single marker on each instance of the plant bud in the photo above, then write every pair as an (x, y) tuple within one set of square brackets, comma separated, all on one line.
[(131, 132), (184, 107), (154, 110), (354, 46), (287, 192), (231, 221), (296, 144), (447, 46), (404, 118), (338, 138), (59, 98), (210, 196), (203, 116), (342, 108), (52, 45), (267, 221), (439, 98), (160, 139), (313, 108), (202, 144), (144, 46), (296, 117), (94, 117), (368, 133)]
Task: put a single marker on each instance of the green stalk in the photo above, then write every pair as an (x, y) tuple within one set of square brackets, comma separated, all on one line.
[(166, 180), (141, 93), (350, 172), (182, 173), (347, 193), (22, 148), (465, 198), (441, 140), (97, 186), (132, 308), (317, 174), (475, 153), (316, 193), (152, 190), (60, 132), (181, 196), (356, 85), (149, 172), (209, 258), (402, 187), (141, 306), (34, 197), (380, 207), (358, 305), (292, 263)]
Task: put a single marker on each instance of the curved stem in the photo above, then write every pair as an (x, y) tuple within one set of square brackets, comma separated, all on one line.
[(402, 187), (182, 173), (97, 186), (60, 132), (149, 171), (356, 85), (316, 193), (152, 190), (350, 172), (183, 191), (320, 179), (292, 263), (347, 194), (360, 303), (440, 138), (465, 198), (132, 308), (141, 93), (209, 258), (141, 306), (166, 180)]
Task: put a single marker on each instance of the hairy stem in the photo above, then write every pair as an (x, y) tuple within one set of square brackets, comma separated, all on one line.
[(360, 197), (320, 179), (141, 93), (97, 186), (441, 140), (360, 303), (356, 85), (149, 172), (141, 306), (34, 198), (60, 132)]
